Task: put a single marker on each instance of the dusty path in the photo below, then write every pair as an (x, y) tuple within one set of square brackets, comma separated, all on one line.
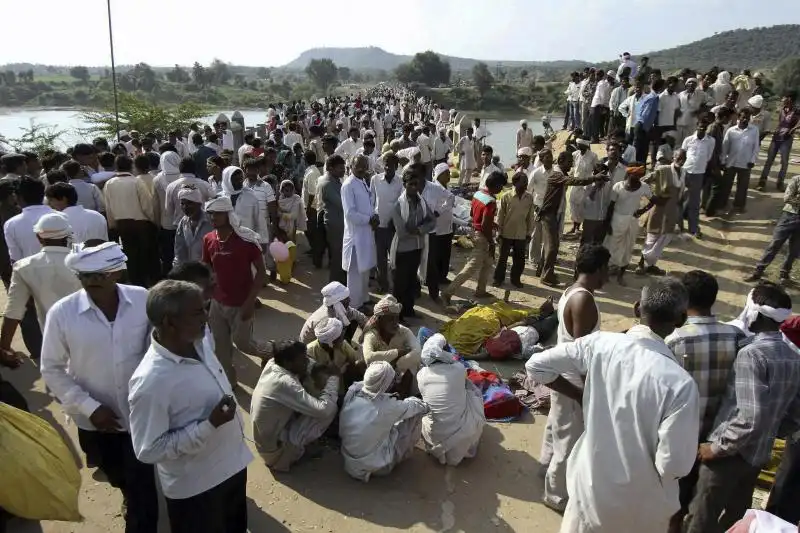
[(498, 491)]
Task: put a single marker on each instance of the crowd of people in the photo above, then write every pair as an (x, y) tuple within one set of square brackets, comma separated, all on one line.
[(134, 271)]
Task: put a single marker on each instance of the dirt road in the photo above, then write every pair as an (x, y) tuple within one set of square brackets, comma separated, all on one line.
[(499, 491)]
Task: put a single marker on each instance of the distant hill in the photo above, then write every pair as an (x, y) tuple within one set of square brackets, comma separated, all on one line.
[(736, 49), (374, 58)]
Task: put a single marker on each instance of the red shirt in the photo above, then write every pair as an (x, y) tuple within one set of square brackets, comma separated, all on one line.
[(791, 328), (232, 261), (483, 205)]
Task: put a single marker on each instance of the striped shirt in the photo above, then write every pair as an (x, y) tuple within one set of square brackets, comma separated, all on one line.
[(762, 397), (707, 349)]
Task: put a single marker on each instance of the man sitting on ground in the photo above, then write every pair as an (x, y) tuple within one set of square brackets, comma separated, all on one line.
[(286, 418), (335, 304), (331, 348), (385, 339), (377, 430)]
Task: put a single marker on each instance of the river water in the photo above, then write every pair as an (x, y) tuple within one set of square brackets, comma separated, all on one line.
[(502, 130)]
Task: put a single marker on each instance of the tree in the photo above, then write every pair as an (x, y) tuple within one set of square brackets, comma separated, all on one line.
[(344, 74), (200, 75), (219, 72), (523, 74), (483, 78), (322, 72), (426, 67), (80, 73), (787, 75), (38, 138), (137, 114), (178, 75), (10, 77)]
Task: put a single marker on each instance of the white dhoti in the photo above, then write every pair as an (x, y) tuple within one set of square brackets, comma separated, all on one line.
[(565, 425), (576, 197), (301, 431), (624, 229), (357, 283), (535, 246), (654, 245)]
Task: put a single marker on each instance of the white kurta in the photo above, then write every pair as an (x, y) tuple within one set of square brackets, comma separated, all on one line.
[(642, 423), (378, 433), (453, 428), (358, 235)]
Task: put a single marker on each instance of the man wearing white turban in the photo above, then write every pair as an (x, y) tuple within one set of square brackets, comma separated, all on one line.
[(453, 427), (524, 135), (93, 341), (234, 254), (377, 430), (331, 349), (42, 277), (170, 172), (335, 304), (761, 403), (192, 227), (286, 418), (386, 339)]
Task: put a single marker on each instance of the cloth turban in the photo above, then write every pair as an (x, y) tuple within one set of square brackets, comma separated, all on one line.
[(378, 378), (751, 311), (433, 351), (107, 257), (440, 169), (756, 101), (53, 226), (223, 204), (388, 305), (333, 294), (525, 150), (637, 171), (328, 330), (190, 193), (584, 142)]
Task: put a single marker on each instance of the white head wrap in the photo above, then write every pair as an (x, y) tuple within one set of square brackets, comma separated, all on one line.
[(433, 351), (223, 204), (333, 294), (751, 311), (525, 150), (170, 162), (227, 183), (328, 330), (53, 226), (107, 257), (408, 153), (523, 122), (191, 193), (584, 142), (611, 73), (378, 378), (756, 101), (690, 80), (440, 169)]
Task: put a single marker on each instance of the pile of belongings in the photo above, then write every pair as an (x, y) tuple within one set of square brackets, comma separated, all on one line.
[(499, 402), (469, 333)]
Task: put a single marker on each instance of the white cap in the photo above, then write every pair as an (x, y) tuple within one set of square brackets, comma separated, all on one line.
[(756, 101), (525, 150), (124, 133), (611, 73)]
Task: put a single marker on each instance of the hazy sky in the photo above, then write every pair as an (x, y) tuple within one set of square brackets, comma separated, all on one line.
[(273, 32)]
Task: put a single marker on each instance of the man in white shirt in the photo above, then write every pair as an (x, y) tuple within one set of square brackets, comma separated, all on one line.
[(467, 164), (442, 146), (699, 149), (690, 102), (174, 138), (309, 196), (385, 189), (41, 277), (615, 119), (172, 205), (440, 240), (293, 137), (360, 221), (89, 195), (537, 186), (86, 224), (18, 230), (93, 341), (481, 133), (348, 147), (524, 135), (668, 109), (184, 418), (573, 93), (626, 61), (600, 104), (245, 148), (740, 148), (487, 153), (425, 144), (642, 418)]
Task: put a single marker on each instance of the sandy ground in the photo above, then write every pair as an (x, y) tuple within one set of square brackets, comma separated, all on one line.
[(500, 490)]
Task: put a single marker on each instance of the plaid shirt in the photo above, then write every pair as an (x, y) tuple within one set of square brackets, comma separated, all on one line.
[(762, 401), (707, 349)]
